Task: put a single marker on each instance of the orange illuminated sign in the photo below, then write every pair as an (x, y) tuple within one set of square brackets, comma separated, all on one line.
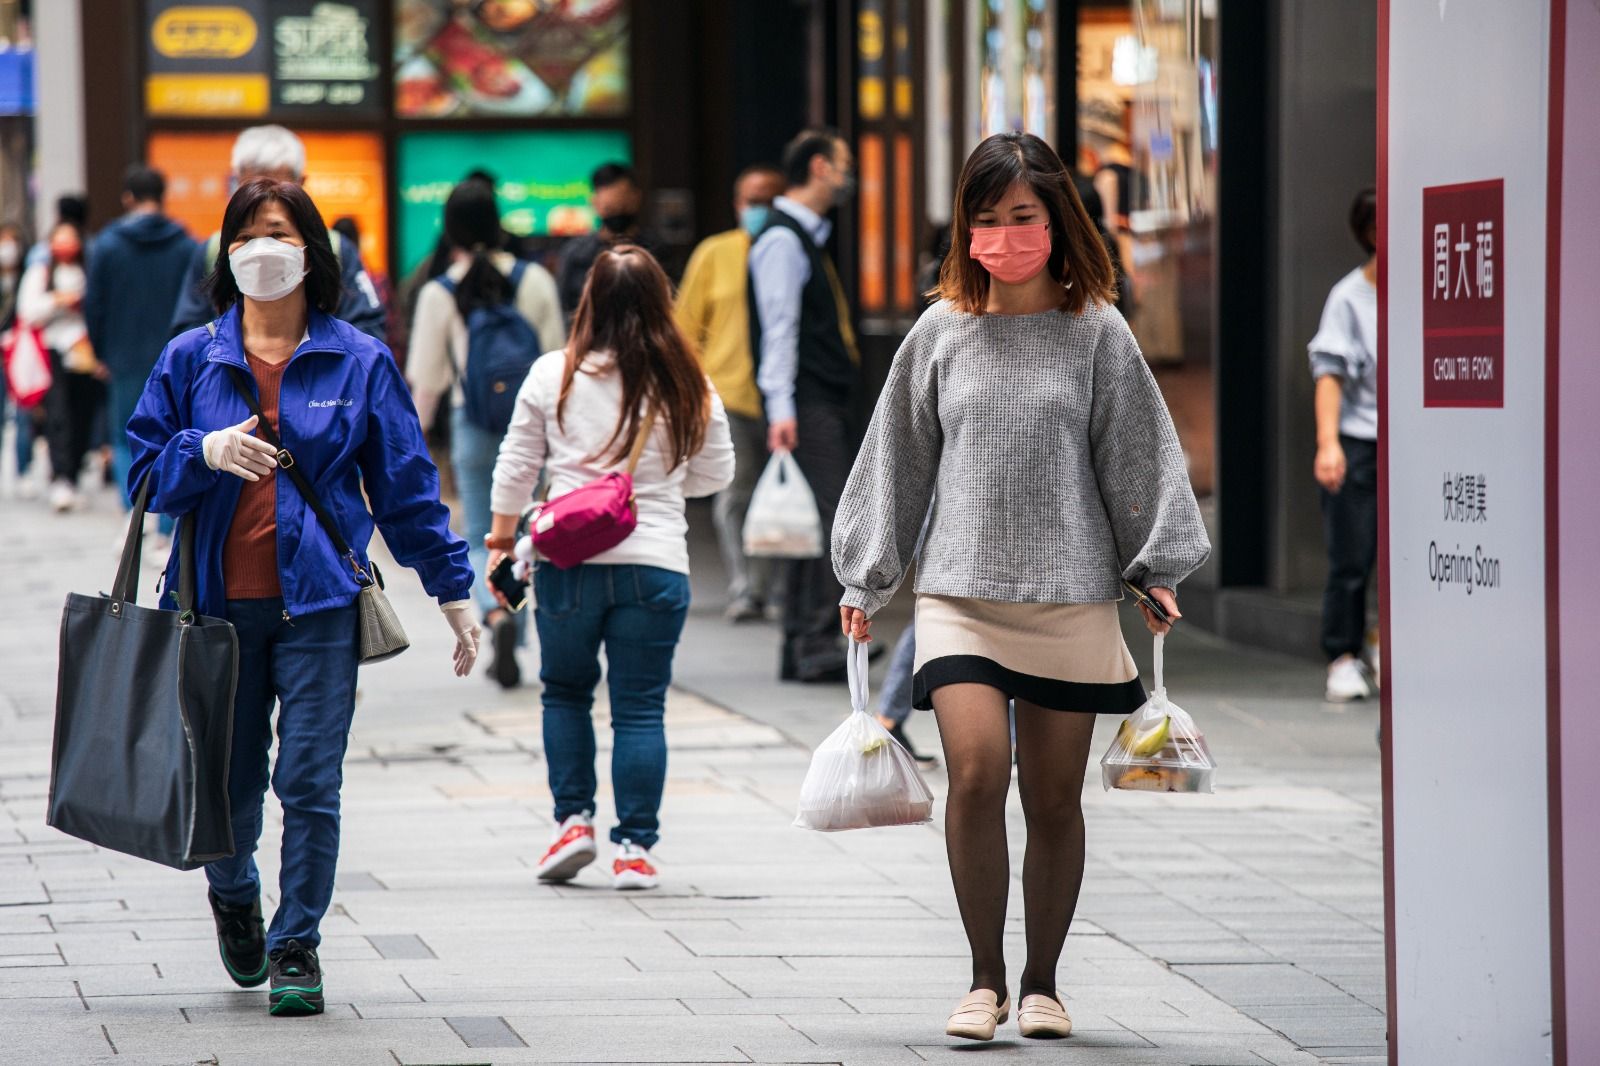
[(874, 252)]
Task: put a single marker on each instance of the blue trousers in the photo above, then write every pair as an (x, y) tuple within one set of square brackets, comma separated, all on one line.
[(894, 698), (122, 398), (307, 667), (637, 613)]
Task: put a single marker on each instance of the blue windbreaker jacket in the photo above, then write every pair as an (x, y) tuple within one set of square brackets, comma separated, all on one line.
[(346, 416)]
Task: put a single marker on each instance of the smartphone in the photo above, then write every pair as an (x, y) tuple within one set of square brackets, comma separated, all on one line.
[(506, 583), (1142, 596)]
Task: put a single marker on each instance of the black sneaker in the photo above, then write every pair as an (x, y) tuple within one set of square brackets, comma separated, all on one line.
[(296, 980), (241, 939), (507, 673), (923, 760)]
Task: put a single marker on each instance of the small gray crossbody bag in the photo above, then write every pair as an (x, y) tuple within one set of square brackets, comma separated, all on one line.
[(380, 634)]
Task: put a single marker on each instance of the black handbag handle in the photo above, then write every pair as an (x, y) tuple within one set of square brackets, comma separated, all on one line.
[(125, 588), (287, 464)]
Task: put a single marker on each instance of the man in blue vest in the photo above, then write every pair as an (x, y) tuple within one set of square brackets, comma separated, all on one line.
[(807, 370), (274, 152)]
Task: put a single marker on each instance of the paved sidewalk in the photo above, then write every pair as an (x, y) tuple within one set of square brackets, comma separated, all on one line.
[(1243, 928)]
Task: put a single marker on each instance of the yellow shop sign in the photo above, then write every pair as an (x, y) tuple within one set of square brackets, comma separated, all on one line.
[(204, 32)]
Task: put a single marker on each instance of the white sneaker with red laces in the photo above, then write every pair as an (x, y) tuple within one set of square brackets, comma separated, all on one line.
[(571, 850), (633, 868)]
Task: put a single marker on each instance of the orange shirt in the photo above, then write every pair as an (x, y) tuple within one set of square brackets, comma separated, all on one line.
[(250, 554)]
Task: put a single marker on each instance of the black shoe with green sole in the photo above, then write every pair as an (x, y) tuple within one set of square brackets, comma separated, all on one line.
[(241, 940), (296, 980)]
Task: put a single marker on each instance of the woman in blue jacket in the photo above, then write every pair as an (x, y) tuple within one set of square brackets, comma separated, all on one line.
[(263, 562)]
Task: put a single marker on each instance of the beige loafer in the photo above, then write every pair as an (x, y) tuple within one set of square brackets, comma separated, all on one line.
[(978, 1015), (1043, 1018)]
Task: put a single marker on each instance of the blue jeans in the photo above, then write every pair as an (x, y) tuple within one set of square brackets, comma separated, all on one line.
[(894, 699), (122, 398), (473, 451), (308, 668), (637, 612), (27, 433)]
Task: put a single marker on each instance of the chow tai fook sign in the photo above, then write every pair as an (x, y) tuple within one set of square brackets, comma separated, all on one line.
[(255, 58), (1463, 303), (1489, 523)]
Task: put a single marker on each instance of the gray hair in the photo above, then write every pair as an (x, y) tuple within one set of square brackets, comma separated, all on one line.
[(269, 148)]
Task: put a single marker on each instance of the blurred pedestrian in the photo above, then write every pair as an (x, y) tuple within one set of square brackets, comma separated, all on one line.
[(627, 386), (714, 313), (616, 199), (136, 263), (1024, 400), (27, 423), (481, 277), (1344, 364), (71, 208), (275, 152), (50, 299), (265, 562), (809, 369), (349, 231)]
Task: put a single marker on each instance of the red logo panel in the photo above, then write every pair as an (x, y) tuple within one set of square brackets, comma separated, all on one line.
[(1463, 295)]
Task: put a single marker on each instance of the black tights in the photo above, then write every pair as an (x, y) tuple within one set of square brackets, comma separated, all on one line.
[(1052, 755)]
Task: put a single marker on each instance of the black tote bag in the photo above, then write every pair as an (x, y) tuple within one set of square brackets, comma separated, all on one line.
[(144, 718)]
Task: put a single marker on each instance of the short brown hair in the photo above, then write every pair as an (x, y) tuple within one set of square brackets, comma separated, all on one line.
[(1078, 256), (324, 287)]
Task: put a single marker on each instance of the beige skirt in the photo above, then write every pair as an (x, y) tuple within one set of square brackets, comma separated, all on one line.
[(1065, 656)]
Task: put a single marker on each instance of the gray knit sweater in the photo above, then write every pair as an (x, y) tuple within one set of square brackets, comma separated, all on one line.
[(1049, 452)]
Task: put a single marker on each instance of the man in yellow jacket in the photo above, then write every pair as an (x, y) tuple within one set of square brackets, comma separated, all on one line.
[(713, 311)]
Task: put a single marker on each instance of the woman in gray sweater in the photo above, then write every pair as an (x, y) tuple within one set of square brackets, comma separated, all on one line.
[(1021, 408)]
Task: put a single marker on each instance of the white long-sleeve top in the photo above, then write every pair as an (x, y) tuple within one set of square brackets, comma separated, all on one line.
[(60, 327), (536, 440), (438, 353)]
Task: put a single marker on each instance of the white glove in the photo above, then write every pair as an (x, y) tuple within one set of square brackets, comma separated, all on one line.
[(235, 451), (462, 623)]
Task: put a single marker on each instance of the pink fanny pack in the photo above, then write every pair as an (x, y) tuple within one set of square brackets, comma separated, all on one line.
[(578, 525)]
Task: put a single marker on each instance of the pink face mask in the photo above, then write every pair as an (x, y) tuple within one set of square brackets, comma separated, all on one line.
[(1012, 254)]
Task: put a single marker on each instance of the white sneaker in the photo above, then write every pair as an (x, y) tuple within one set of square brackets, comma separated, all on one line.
[(571, 850), (27, 487), (633, 868), (1374, 657), (63, 496), (1347, 680)]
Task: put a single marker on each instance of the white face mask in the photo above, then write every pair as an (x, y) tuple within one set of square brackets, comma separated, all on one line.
[(10, 254), (267, 269)]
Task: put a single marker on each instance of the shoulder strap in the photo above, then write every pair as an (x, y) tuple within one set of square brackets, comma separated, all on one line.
[(287, 464), (515, 277), (640, 440)]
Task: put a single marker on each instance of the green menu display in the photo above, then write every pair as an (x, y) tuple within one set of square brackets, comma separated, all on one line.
[(541, 177)]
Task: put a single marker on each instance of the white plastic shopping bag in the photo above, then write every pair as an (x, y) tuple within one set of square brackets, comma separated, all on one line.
[(1158, 748), (782, 521), (860, 776)]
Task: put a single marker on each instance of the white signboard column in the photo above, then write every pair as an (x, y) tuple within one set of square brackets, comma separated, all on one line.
[(1463, 155)]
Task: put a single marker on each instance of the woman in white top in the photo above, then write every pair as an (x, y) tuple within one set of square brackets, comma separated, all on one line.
[(578, 416), (50, 299), (479, 276)]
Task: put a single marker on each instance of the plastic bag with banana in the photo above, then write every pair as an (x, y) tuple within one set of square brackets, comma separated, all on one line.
[(860, 776), (1158, 748)]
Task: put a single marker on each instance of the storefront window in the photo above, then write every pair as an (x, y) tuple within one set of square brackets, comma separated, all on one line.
[(1011, 44), (510, 58), (1147, 136)]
